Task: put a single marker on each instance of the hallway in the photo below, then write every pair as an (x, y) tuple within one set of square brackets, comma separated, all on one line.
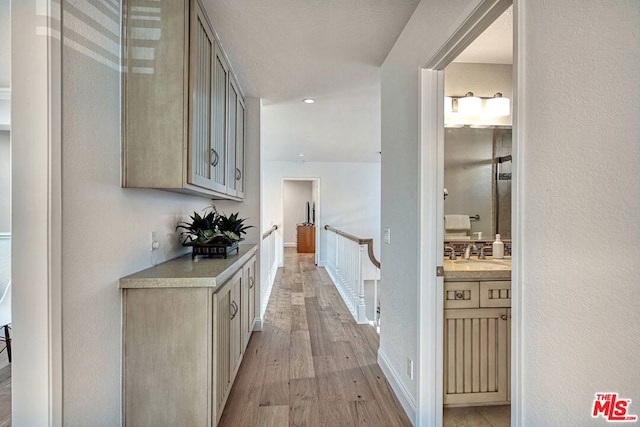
[(311, 365)]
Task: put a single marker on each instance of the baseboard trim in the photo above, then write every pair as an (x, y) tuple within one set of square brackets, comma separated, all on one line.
[(406, 400), (257, 324), (290, 245)]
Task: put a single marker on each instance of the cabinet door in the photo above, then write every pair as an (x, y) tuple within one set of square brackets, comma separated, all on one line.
[(219, 136), (232, 130), (223, 309), (240, 130), (248, 299), (202, 54), (236, 325), (475, 355)]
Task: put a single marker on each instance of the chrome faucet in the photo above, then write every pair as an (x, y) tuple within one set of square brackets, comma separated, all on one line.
[(452, 255), (468, 249)]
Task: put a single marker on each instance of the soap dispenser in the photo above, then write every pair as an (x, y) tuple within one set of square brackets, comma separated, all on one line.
[(498, 248)]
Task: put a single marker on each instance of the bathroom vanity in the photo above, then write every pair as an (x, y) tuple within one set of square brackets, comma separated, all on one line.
[(477, 330)]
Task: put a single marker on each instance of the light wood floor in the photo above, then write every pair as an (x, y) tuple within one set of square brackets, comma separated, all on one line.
[(5, 389), (311, 365)]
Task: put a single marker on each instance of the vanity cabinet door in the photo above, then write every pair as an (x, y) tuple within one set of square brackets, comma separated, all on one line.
[(475, 355)]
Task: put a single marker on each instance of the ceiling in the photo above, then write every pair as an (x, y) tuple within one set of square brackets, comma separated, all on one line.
[(286, 50), (494, 45)]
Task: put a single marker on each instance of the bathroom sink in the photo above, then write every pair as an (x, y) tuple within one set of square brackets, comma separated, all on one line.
[(480, 263)]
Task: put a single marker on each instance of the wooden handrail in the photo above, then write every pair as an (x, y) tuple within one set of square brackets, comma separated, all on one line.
[(269, 231), (358, 240)]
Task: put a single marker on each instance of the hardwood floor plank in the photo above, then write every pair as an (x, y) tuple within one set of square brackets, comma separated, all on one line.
[(311, 365), (273, 416), (300, 358)]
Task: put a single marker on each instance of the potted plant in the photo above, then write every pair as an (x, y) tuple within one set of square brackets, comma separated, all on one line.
[(213, 233)]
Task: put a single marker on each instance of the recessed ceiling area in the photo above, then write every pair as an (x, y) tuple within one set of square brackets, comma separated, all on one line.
[(284, 51)]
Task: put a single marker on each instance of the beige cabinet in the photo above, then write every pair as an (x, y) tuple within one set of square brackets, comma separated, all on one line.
[(476, 342), (183, 346), (180, 119), (228, 339), (249, 299)]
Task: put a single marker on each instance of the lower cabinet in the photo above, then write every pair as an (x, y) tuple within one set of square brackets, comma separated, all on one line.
[(227, 340), (476, 342), (182, 347)]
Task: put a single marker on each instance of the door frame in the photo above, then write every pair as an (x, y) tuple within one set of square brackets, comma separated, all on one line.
[(36, 206), (316, 223), (430, 302)]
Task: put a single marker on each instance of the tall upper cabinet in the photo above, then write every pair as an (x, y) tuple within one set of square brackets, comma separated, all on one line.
[(183, 112)]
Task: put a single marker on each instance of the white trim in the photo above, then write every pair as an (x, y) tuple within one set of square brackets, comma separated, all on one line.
[(290, 245), (401, 392), (517, 216), (37, 188), (430, 292)]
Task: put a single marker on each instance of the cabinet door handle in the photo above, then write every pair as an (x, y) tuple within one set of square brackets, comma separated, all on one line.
[(252, 282), (238, 174), (234, 306), (216, 158), (503, 317), (459, 295)]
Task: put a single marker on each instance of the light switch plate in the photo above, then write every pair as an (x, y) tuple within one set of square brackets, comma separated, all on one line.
[(387, 235)]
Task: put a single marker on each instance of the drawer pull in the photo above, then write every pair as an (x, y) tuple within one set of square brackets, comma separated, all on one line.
[(216, 158), (252, 282), (459, 295), (234, 306), (503, 317)]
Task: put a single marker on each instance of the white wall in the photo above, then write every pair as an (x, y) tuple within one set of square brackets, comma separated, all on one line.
[(296, 195), (349, 198), (425, 32), (107, 229), (581, 197), (579, 186), (5, 182), (5, 44)]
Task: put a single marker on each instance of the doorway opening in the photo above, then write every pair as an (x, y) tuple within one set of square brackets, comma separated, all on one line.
[(300, 214), (467, 334)]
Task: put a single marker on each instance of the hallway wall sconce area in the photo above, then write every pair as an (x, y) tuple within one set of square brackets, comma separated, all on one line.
[(475, 110)]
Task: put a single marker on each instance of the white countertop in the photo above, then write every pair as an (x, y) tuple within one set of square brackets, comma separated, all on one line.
[(184, 272)]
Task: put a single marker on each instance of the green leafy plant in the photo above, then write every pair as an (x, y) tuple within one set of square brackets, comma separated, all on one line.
[(213, 227)]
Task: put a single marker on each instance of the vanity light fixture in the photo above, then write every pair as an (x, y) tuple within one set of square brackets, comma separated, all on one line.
[(469, 105), (498, 106), (308, 100), (448, 104)]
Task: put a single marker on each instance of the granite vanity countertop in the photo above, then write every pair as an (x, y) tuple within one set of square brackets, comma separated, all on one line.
[(489, 269), (184, 272)]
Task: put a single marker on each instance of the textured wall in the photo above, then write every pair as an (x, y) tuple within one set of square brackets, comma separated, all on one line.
[(424, 34), (581, 198), (107, 228)]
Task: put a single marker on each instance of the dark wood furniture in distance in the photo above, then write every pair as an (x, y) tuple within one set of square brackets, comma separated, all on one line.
[(306, 239)]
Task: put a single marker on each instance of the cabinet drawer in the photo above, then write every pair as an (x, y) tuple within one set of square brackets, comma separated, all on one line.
[(495, 294), (461, 295)]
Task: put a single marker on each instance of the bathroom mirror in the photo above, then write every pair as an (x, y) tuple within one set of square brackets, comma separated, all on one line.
[(477, 177)]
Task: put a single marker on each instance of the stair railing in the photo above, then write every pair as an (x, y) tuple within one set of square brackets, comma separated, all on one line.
[(350, 266)]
